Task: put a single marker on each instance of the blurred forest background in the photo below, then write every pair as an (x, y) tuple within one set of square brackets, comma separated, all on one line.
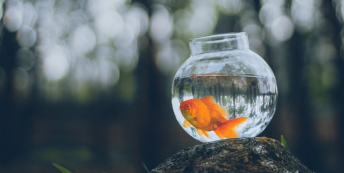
[(87, 83)]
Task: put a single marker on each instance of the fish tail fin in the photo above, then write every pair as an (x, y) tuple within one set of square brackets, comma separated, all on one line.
[(227, 129)]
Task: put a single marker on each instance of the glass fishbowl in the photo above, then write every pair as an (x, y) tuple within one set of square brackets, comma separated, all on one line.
[(224, 90)]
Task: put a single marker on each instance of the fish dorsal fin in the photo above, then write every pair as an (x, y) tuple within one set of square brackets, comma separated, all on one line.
[(212, 105), (209, 99)]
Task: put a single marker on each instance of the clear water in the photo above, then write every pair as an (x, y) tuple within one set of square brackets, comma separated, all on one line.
[(254, 97)]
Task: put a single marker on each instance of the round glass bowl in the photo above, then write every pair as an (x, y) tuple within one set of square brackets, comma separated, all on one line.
[(224, 90)]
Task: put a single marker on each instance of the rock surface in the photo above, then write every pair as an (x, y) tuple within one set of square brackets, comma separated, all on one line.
[(258, 154)]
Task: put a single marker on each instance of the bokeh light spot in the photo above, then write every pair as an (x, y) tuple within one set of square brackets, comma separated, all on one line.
[(268, 13), (55, 64), (230, 6), (25, 59), (109, 24), (304, 14), (83, 39), (202, 21), (26, 36), (29, 14), (282, 28), (161, 24), (167, 59), (108, 73), (137, 19), (126, 59), (13, 19)]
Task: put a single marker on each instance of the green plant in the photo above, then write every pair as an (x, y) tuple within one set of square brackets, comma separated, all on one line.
[(144, 166), (62, 169), (284, 142)]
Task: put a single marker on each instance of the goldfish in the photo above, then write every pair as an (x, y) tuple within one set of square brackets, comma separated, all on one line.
[(206, 115)]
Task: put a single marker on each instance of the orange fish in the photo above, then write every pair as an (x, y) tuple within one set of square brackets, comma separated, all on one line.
[(206, 115)]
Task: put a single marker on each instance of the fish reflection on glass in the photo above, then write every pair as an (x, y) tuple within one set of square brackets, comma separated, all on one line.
[(206, 115)]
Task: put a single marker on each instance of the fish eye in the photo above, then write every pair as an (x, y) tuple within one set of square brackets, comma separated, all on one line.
[(187, 106)]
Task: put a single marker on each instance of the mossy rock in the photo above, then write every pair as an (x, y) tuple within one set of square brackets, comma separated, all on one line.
[(259, 154)]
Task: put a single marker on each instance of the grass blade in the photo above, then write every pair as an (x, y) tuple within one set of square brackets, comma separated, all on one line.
[(284, 142), (144, 166), (62, 169)]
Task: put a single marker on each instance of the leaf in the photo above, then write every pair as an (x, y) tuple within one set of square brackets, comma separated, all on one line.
[(284, 142), (62, 169), (144, 166)]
